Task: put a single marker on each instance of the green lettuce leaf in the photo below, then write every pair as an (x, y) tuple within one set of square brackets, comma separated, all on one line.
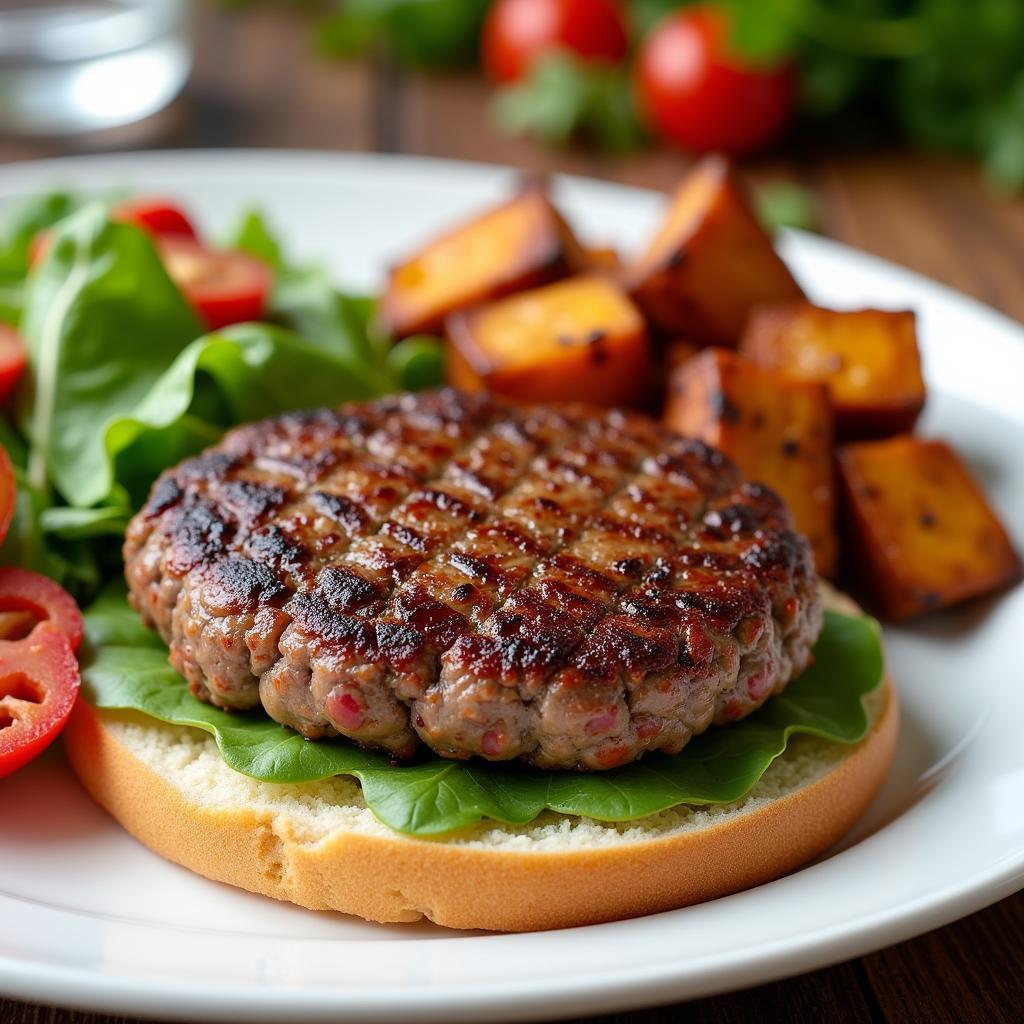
[(306, 300), (249, 371), (102, 321), (125, 667)]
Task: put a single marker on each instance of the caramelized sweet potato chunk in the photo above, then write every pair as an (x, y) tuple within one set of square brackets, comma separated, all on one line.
[(776, 428), (581, 339), (520, 244), (603, 258), (710, 263), (919, 530), (867, 357)]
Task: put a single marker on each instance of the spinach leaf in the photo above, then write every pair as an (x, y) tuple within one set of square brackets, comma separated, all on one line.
[(306, 300), (102, 321), (253, 236), (253, 370), (124, 667), (417, 362), (76, 565)]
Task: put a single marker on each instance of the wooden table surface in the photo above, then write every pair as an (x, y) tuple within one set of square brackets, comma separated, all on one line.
[(256, 84)]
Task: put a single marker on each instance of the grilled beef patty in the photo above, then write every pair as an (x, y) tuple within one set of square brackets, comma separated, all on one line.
[(564, 585)]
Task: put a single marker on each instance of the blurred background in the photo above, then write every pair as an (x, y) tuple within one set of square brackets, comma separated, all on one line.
[(894, 125)]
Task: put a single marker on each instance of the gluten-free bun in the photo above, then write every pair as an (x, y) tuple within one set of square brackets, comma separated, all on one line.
[(318, 845)]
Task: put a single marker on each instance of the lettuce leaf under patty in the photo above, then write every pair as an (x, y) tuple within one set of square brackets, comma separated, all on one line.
[(125, 667)]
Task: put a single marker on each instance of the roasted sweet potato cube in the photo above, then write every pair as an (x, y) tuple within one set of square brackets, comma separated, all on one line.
[(602, 258), (918, 529), (710, 263), (867, 357), (776, 428), (520, 244), (580, 339)]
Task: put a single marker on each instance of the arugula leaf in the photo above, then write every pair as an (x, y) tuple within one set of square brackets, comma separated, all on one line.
[(26, 219), (417, 362), (253, 236), (306, 300), (252, 371), (124, 667), (77, 566), (421, 33), (102, 321)]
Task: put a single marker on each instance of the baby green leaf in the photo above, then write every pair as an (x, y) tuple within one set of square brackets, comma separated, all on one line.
[(126, 668)]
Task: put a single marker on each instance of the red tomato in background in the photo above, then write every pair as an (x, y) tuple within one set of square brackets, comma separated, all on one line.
[(223, 287), (13, 357), (698, 94), (157, 216), (516, 32), (39, 683)]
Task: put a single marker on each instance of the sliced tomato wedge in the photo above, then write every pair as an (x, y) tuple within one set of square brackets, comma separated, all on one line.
[(157, 216), (22, 590), (13, 357), (39, 682), (8, 492), (223, 287)]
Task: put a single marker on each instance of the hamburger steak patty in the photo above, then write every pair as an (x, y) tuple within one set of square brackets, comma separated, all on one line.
[(564, 585)]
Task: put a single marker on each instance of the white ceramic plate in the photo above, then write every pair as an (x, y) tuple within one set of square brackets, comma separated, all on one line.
[(88, 917)]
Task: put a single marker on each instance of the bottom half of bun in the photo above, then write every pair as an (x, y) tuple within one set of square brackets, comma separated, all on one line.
[(318, 845)]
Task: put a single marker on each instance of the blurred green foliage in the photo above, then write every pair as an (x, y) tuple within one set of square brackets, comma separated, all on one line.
[(945, 75), (421, 33)]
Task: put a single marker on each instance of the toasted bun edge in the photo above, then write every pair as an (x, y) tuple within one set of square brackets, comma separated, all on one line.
[(397, 878)]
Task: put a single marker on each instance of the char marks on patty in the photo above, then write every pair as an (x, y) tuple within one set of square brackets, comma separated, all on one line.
[(564, 585)]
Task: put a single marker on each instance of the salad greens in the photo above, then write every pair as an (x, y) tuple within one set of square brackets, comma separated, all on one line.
[(125, 667), (122, 381), (101, 320)]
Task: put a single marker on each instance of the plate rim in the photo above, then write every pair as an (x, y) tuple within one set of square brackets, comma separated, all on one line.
[(633, 987)]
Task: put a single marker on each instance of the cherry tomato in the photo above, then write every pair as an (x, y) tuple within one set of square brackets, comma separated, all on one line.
[(698, 94), (157, 216), (516, 32), (39, 682), (13, 357), (8, 493), (223, 287), (22, 590)]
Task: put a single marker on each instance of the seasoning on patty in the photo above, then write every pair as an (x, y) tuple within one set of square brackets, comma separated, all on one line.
[(564, 585)]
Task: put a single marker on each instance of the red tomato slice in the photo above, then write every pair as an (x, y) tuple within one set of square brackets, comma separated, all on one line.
[(39, 682), (8, 492), (223, 287), (23, 590), (13, 357), (157, 216)]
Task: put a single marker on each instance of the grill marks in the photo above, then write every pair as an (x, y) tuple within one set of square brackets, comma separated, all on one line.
[(435, 516), (503, 582), (639, 523)]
